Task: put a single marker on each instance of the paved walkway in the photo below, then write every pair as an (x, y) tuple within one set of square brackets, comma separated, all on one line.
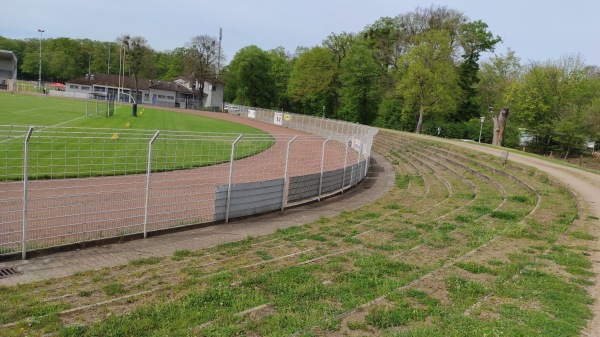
[(377, 183)]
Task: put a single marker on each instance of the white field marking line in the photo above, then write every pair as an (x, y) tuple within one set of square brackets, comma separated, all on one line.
[(65, 122), (28, 110), (42, 128)]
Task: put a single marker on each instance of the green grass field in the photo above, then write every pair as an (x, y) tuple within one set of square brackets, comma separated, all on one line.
[(67, 143)]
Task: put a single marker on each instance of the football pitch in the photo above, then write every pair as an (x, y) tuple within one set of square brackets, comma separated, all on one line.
[(46, 111), (67, 143)]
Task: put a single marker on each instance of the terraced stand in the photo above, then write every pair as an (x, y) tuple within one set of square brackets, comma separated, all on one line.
[(462, 245)]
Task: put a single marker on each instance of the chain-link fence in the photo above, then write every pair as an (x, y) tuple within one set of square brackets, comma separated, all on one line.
[(62, 186)]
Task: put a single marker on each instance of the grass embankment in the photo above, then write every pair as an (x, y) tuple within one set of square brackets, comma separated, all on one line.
[(462, 246)]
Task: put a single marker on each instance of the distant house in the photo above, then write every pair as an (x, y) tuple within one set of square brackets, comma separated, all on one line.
[(154, 92), (8, 69), (213, 91)]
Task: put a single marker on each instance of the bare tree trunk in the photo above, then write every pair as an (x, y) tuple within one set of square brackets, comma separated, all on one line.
[(496, 130), (499, 125), (502, 124), (420, 122)]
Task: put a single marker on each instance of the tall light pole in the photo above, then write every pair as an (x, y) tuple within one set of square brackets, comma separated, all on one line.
[(109, 58), (40, 74)]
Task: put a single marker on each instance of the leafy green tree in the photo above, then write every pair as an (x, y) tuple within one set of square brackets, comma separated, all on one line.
[(359, 95), (29, 64), (475, 39), (391, 113), (280, 71), (429, 82), (591, 120), (339, 44), (250, 78), (65, 58), (497, 75), (421, 20), (383, 37), (549, 102), (312, 80), (169, 63)]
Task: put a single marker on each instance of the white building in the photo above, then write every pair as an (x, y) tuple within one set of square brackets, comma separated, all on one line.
[(153, 92)]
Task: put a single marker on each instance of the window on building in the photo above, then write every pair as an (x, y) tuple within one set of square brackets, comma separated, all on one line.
[(73, 86)]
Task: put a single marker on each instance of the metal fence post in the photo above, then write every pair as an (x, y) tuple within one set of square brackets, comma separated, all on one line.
[(230, 177), (25, 189), (358, 177), (322, 164), (285, 172), (348, 144), (148, 171)]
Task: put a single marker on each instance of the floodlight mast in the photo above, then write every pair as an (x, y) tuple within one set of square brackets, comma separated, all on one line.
[(40, 68)]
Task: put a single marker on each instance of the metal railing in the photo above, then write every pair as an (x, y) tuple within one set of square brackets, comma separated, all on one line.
[(62, 186)]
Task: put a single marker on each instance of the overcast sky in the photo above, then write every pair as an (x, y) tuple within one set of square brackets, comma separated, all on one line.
[(537, 30)]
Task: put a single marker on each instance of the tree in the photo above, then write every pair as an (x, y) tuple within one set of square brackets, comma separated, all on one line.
[(201, 60), (138, 55), (591, 120), (339, 44), (359, 92), (496, 76), (250, 78), (421, 20), (429, 81), (383, 38), (475, 39), (169, 63), (499, 126), (280, 72), (312, 80), (549, 100)]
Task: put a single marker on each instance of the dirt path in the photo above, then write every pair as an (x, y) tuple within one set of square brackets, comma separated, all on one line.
[(585, 185)]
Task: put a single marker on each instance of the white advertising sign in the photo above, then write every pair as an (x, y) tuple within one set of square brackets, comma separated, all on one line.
[(278, 120)]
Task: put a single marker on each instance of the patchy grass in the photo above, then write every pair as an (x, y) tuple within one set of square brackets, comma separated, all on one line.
[(434, 257)]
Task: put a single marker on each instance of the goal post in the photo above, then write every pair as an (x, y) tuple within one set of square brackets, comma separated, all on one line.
[(99, 105)]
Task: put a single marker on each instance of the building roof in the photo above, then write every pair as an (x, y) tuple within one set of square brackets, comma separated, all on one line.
[(169, 86), (7, 55), (113, 80)]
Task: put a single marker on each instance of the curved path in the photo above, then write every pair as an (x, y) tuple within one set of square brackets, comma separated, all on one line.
[(586, 187)]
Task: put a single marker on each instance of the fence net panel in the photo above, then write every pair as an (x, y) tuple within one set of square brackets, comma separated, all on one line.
[(79, 185), (11, 187)]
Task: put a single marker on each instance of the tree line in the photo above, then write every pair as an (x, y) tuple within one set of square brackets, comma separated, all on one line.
[(419, 71)]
